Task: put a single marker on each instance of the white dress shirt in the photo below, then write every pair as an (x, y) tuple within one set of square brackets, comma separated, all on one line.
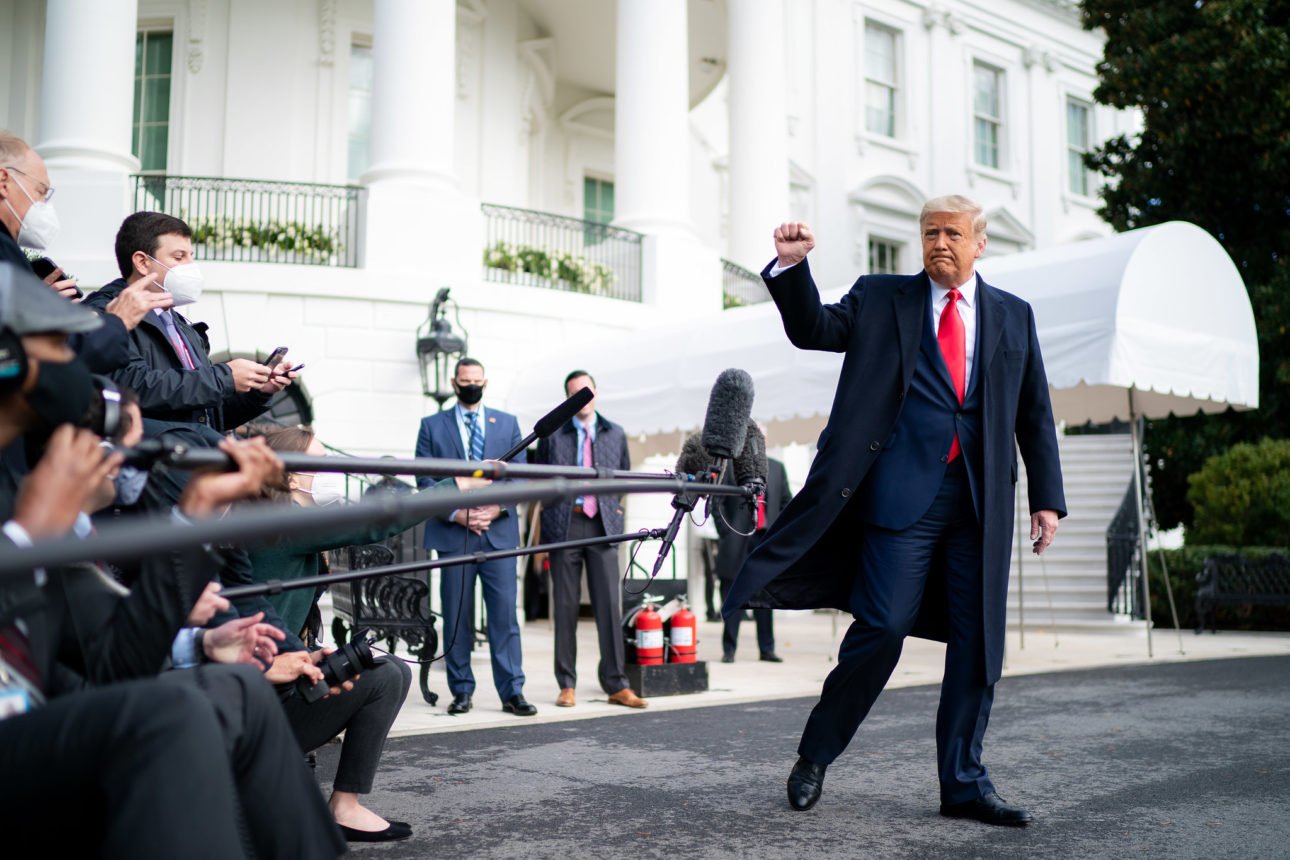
[(939, 298)]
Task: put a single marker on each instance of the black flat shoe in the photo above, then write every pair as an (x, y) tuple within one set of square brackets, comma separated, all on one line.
[(396, 830), (991, 809), (460, 704), (805, 784), (771, 657), (519, 707)]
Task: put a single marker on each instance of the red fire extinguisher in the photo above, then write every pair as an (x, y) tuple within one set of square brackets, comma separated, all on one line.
[(649, 636), (685, 637)]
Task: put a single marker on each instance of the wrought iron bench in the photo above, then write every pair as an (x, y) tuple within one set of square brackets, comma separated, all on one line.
[(394, 607), (1234, 579)]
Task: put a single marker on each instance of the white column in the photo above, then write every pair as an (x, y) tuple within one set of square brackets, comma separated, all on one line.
[(414, 75), (651, 117), (949, 124), (652, 157), (415, 211), (1046, 120), (84, 126), (759, 176)]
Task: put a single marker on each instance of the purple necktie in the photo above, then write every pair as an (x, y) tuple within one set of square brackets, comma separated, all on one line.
[(589, 506)]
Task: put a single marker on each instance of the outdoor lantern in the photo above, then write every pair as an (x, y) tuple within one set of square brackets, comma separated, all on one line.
[(439, 348)]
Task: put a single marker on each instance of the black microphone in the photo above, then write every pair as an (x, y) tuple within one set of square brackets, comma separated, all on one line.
[(751, 467), (725, 429), (550, 422)]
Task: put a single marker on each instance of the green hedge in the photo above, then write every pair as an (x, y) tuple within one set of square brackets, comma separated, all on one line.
[(1242, 496), (1184, 564)]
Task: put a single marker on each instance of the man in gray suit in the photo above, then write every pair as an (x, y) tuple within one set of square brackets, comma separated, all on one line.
[(589, 439)]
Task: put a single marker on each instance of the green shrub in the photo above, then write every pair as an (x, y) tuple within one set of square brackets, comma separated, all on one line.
[(1184, 564), (1242, 496)]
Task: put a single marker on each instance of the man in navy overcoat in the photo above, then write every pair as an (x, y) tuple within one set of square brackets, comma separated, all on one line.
[(906, 517)]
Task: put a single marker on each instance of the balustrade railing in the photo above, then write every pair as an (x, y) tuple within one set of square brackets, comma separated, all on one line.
[(1123, 567), (740, 286), (539, 249), (255, 221)]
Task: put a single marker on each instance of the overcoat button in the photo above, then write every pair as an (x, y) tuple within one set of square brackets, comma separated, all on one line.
[(874, 446), (846, 492), (945, 458)]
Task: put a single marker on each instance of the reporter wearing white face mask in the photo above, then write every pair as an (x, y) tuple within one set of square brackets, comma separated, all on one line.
[(377, 693), (170, 367)]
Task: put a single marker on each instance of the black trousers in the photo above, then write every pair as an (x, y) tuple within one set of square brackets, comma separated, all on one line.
[(283, 810), (764, 619), (601, 563), (136, 769), (364, 714), (885, 600)]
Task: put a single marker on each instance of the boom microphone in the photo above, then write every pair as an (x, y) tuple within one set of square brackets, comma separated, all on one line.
[(725, 429), (729, 407), (751, 470), (551, 422)]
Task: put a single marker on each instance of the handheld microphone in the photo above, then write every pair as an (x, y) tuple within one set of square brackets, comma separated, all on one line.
[(725, 430), (551, 422), (750, 466)]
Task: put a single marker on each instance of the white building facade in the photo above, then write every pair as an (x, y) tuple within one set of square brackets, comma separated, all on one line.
[(571, 169)]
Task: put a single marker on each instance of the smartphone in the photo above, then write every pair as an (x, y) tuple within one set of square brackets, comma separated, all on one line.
[(275, 357), (44, 267)]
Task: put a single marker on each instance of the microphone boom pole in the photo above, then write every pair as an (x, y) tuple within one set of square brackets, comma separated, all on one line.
[(276, 586)]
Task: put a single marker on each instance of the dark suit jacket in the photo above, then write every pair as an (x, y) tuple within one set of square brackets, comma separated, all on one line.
[(608, 451), (167, 390), (736, 520), (103, 350), (810, 556), (439, 437)]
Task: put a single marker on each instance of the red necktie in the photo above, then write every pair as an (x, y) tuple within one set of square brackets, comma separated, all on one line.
[(761, 512), (954, 350)]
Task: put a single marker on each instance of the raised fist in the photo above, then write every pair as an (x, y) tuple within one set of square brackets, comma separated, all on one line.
[(793, 241)]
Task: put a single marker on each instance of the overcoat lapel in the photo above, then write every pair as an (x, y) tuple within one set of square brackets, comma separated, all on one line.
[(909, 302), (989, 318)]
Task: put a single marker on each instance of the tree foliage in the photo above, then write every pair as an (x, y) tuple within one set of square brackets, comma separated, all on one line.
[(1212, 80), (1242, 496)]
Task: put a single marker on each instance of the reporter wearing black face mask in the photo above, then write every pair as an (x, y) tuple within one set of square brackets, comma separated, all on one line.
[(149, 764)]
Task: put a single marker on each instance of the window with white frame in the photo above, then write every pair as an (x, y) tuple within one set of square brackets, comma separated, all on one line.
[(1079, 136), (597, 200), (880, 46), (150, 130), (360, 109), (987, 114), (884, 256)]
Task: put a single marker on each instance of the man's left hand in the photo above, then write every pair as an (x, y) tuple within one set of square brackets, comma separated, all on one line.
[(243, 640), (1043, 528), (280, 377)]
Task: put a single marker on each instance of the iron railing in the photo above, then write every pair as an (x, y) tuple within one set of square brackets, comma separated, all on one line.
[(1123, 567), (539, 249), (740, 286), (255, 221)]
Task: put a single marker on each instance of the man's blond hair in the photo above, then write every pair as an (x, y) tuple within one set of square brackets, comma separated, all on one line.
[(954, 203), (13, 149)]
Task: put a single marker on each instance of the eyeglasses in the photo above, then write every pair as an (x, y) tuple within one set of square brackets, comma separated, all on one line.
[(48, 193)]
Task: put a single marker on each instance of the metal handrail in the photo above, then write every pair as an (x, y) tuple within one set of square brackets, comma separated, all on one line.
[(1123, 573), (542, 249), (740, 286), (260, 220)]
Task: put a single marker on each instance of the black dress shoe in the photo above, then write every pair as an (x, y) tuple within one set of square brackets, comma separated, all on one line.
[(519, 707), (805, 783), (727, 658), (395, 830), (991, 809), (460, 704), (771, 657)]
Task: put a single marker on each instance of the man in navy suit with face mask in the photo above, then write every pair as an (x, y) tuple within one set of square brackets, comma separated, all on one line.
[(468, 431), (906, 517)]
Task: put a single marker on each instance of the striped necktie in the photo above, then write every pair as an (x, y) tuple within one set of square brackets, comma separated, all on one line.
[(476, 436)]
